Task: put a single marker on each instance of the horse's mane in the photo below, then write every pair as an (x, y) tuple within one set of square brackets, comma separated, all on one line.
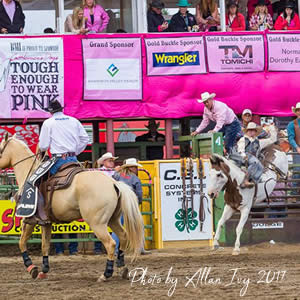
[(228, 162), (22, 143)]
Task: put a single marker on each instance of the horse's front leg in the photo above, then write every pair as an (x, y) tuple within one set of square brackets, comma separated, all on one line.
[(27, 230), (227, 213), (46, 237), (239, 229)]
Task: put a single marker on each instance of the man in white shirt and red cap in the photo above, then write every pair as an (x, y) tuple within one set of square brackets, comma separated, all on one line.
[(224, 117)]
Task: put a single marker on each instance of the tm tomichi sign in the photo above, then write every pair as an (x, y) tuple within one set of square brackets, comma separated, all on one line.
[(235, 53)]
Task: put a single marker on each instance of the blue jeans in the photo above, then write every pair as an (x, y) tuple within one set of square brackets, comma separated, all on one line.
[(230, 133), (59, 247), (97, 246), (60, 162), (296, 160), (115, 237)]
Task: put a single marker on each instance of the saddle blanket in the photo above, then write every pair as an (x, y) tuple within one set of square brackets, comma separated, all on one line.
[(28, 203)]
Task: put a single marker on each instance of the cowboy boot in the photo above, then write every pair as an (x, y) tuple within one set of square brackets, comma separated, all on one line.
[(246, 184)]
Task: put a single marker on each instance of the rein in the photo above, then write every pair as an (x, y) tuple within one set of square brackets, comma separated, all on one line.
[(25, 159)]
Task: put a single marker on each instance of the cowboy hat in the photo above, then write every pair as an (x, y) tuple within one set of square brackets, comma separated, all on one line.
[(232, 3), (205, 96), (157, 4), (183, 3), (261, 3), (253, 126), (247, 111), (290, 4), (106, 156), (54, 106), (131, 162), (151, 123), (296, 107)]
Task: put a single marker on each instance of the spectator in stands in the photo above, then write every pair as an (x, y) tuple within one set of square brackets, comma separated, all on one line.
[(278, 7), (129, 174), (49, 30), (288, 20), (235, 21), (207, 15), (126, 136), (247, 118), (12, 18), (152, 152), (293, 130), (261, 19), (224, 117), (155, 19), (252, 4), (75, 22), (59, 247), (183, 21), (96, 17)]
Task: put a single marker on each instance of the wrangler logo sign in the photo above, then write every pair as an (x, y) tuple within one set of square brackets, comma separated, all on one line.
[(174, 59), (175, 56)]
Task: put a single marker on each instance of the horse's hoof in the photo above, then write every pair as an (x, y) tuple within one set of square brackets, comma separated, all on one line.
[(102, 278), (42, 275), (236, 252), (33, 271), (123, 272)]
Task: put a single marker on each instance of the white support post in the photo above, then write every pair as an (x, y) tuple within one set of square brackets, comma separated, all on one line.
[(223, 15), (60, 17), (134, 16), (142, 16)]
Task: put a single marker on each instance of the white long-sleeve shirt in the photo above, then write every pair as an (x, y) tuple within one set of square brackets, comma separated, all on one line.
[(62, 134)]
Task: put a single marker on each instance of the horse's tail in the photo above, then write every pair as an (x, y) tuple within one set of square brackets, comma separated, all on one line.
[(133, 221)]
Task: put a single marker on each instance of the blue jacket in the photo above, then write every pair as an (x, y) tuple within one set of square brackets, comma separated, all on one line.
[(133, 181), (292, 135)]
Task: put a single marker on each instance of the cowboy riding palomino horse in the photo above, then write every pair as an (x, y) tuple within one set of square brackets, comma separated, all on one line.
[(226, 175), (92, 196)]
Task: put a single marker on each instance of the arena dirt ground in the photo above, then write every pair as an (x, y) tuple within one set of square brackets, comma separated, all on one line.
[(262, 271)]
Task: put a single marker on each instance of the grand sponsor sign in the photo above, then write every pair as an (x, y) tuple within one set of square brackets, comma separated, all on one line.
[(10, 224), (31, 75), (283, 52), (235, 53), (175, 56), (112, 69), (174, 226)]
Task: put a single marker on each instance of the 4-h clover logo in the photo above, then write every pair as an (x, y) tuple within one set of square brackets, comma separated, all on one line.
[(186, 221), (112, 70)]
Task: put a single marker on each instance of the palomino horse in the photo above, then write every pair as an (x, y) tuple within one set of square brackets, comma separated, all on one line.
[(93, 196), (225, 175)]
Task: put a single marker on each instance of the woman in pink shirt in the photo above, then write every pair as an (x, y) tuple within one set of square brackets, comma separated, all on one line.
[(96, 17)]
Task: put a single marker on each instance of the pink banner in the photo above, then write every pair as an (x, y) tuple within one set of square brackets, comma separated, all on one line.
[(283, 52), (175, 56), (235, 53), (112, 69), (31, 75), (265, 93)]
